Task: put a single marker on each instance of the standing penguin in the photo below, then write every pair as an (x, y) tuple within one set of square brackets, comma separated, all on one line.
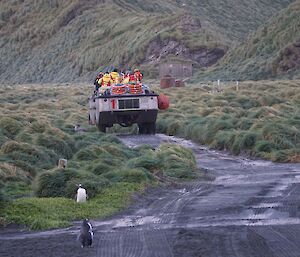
[(81, 195), (86, 234)]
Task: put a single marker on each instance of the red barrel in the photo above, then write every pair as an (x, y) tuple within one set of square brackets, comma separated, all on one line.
[(167, 81), (163, 102), (179, 83)]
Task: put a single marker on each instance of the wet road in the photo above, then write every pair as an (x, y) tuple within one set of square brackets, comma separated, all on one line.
[(251, 208)]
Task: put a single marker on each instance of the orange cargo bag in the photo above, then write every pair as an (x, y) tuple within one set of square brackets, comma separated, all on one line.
[(163, 102)]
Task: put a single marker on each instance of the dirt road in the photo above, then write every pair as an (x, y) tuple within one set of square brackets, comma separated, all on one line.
[(250, 209)]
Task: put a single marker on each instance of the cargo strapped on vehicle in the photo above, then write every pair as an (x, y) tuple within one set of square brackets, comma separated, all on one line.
[(135, 89), (128, 88), (118, 90)]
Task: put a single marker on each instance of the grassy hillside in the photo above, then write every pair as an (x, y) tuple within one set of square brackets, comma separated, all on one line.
[(36, 130), (261, 119), (272, 52), (68, 40)]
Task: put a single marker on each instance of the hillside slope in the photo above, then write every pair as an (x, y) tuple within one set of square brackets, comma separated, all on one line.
[(272, 52), (69, 40)]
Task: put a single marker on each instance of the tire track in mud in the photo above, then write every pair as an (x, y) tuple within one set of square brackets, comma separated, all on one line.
[(283, 242), (128, 243)]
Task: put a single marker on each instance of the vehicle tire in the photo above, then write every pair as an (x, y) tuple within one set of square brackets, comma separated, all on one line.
[(91, 122), (147, 128), (141, 128), (152, 128), (102, 128)]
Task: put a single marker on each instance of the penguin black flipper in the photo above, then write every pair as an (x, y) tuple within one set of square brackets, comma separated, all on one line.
[(90, 238)]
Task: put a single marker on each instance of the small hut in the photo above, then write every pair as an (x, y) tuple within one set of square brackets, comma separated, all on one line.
[(171, 74)]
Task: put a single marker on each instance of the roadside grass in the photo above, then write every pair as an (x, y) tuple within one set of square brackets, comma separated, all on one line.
[(261, 119), (36, 130)]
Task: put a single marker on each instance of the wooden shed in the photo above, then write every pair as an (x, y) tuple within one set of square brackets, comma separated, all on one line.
[(177, 70)]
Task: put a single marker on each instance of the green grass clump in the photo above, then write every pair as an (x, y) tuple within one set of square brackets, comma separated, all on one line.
[(62, 147), (64, 183), (264, 146), (11, 172), (177, 161), (28, 154), (171, 160), (17, 189), (9, 126), (223, 140), (128, 175), (3, 138), (86, 155), (101, 168), (243, 141), (148, 161), (53, 183)]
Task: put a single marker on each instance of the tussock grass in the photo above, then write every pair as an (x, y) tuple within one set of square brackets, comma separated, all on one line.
[(35, 137), (260, 119), (178, 162), (10, 127), (271, 52), (171, 160)]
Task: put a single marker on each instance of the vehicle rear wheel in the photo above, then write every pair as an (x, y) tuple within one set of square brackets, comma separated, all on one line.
[(102, 128), (152, 128), (147, 128), (91, 122), (142, 128)]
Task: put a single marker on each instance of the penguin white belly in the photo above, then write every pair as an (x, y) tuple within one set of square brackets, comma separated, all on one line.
[(81, 195)]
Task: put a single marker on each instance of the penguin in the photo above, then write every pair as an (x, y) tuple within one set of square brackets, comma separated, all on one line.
[(81, 195), (86, 234), (78, 128)]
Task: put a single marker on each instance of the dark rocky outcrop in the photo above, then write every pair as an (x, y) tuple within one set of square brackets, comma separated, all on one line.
[(289, 59), (159, 50)]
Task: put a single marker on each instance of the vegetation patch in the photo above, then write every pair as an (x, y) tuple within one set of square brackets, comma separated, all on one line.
[(261, 119), (47, 213)]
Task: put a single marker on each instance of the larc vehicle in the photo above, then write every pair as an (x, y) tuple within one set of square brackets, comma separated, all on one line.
[(125, 105)]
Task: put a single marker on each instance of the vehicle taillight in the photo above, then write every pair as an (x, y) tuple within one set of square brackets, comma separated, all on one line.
[(113, 104)]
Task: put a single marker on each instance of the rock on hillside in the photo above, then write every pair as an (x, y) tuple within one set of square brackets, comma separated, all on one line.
[(59, 41), (288, 59), (161, 49)]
